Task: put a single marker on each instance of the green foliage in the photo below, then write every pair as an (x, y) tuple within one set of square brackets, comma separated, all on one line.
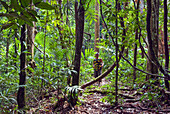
[(57, 24), (44, 5)]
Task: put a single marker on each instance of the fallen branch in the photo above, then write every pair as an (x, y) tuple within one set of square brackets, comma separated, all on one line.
[(99, 77), (132, 100)]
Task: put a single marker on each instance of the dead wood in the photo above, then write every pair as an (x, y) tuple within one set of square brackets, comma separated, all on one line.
[(132, 100), (99, 77)]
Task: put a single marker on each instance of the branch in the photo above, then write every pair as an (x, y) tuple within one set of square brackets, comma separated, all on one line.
[(88, 34), (36, 47), (140, 69)]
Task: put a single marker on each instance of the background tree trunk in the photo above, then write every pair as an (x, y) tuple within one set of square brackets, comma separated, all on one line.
[(15, 47), (97, 27), (166, 42), (22, 80), (152, 34), (7, 52), (117, 61), (136, 38), (30, 41)]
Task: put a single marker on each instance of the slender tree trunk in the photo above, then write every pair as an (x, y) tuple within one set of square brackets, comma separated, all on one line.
[(152, 32), (31, 32), (22, 80), (15, 48), (30, 41), (44, 57), (7, 52), (79, 16), (166, 42), (97, 27), (136, 38), (117, 61)]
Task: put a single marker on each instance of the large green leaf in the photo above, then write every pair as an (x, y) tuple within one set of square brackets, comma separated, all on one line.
[(36, 1), (32, 12), (44, 5), (27, 21), (30, 16), (5, 26), (25, 3)]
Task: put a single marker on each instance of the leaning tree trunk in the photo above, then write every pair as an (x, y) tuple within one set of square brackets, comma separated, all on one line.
[(166, 42), (22, 80), (79, 16), (152, 34), (97, 27)]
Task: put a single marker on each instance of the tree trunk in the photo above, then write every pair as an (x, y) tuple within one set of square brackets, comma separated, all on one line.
[(97, 27), (7, 52), (117, 61), (166, 42), (31, 32), (152, 33), (15, 48), (22, 80), (30, 41), (79, 16), (136, 38)]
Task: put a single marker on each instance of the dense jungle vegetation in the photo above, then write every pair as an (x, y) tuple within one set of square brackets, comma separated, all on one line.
[(47, 50)]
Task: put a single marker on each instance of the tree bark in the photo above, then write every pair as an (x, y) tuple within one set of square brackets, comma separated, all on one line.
[(151, 51), (30, 41), (15, 48), (136, 38), (79, 17), (152, 33), (79, 42), (117, 61), (166, 42), (22, 80)]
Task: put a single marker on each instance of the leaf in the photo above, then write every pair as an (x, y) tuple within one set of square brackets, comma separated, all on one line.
[(5, 26), (36, 1), (44, 5), (30, 16), (5, 5), (9, 16), (33, 12), (25, 3), (27, 21)]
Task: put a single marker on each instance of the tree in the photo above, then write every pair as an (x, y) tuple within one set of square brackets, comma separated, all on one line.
[(79, 17), (136, 38), (166, 42), (97, 27), (22, 81), (152, 34), (31, 33)]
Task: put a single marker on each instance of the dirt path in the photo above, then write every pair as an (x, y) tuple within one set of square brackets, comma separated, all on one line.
[(92, 104)]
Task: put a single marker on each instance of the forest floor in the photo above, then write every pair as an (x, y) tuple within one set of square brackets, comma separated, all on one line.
[(92, 104)]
